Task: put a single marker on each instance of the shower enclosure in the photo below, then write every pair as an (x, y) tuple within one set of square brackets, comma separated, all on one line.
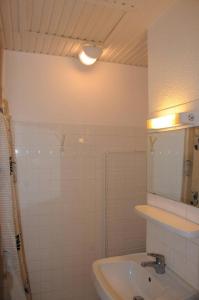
[(77, 188), (14, 282)]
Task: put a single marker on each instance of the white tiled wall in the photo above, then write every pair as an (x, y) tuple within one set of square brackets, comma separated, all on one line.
[(182, 255), (62, 190), (125, 186)]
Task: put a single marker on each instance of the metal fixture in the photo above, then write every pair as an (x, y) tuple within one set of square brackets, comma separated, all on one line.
[(158, 264), (194, 198)]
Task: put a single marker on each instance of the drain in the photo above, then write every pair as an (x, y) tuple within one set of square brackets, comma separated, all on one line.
[(138, 298)]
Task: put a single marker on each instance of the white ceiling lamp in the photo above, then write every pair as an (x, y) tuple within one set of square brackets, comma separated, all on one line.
[(89, 54)]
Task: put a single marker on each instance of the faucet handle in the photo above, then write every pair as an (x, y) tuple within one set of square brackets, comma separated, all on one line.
[(158, 257)]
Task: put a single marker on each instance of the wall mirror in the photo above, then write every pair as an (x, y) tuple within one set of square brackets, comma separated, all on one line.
[(173, 164)]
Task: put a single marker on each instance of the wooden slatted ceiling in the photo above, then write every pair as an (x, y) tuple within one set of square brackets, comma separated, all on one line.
[(59, 27)]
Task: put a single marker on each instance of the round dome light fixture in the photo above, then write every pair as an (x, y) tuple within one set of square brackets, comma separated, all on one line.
[(89, 54)]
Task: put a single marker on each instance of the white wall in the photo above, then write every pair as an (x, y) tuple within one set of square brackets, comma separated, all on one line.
[(42, 88), (173, 57), (173, 80)]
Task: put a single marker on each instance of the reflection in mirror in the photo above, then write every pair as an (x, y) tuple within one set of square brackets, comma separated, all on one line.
[(173, 164)]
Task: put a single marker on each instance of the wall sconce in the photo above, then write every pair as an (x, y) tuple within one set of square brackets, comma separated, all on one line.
[(172, 120), (89, 54)]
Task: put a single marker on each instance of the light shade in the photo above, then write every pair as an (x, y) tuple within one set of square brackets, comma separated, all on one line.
[(163, 122), (89, 54)]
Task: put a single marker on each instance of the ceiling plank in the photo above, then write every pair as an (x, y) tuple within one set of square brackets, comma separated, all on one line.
[(25, 11), (37, 15), (17, 41), (74, 17), (124, 5), (48, 8), (55, 16), (60, 45), (65, 17)]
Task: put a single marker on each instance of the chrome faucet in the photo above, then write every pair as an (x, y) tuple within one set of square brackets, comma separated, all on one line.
[(158, 264)]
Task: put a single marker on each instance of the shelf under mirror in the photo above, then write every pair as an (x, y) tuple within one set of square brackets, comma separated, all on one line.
[(168, 220)]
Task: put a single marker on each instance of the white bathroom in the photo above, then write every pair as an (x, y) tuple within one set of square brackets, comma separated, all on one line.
[(99, 140)]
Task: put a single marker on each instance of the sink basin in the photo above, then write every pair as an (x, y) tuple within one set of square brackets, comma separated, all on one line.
[(123, 278)]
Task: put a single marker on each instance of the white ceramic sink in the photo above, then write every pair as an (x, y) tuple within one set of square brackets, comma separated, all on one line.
[(123, 278)]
